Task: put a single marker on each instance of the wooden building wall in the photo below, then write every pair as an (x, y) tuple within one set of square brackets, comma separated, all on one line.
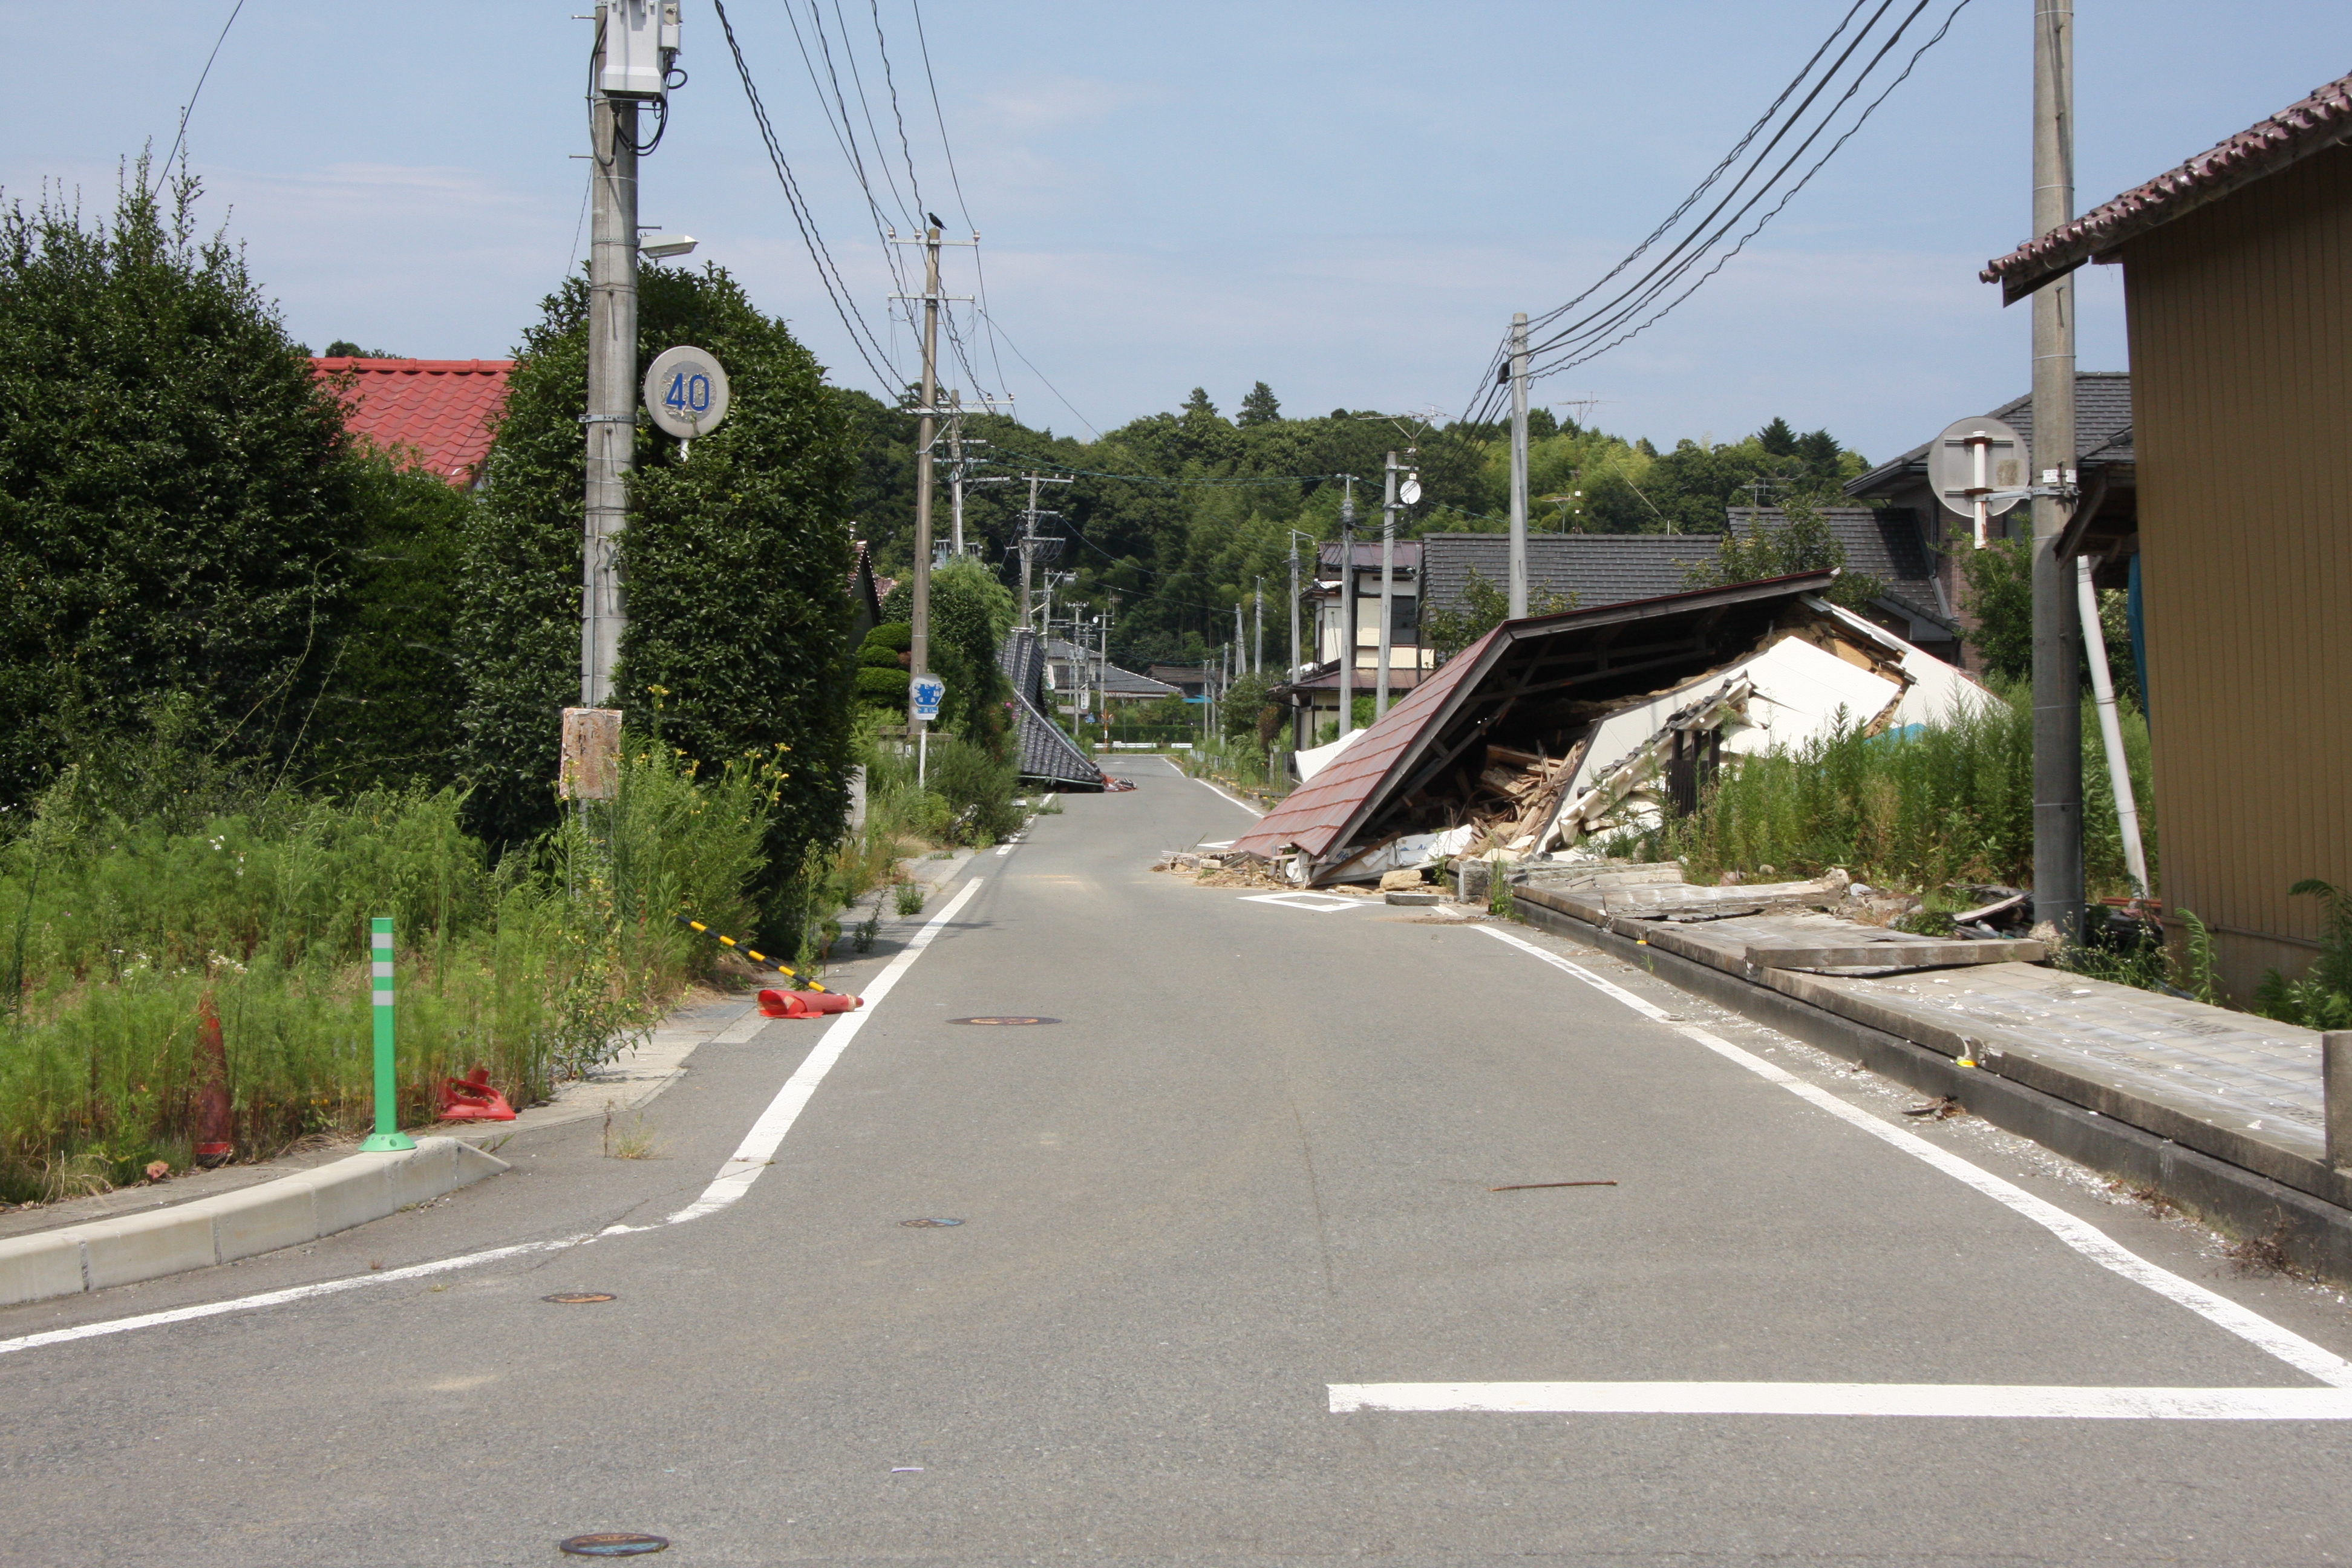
[(2240, 322)]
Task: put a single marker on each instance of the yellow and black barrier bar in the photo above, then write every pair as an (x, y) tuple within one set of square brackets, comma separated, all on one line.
[(752, 953)]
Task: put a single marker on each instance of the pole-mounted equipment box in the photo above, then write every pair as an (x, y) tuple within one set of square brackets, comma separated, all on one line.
[(640, 44)]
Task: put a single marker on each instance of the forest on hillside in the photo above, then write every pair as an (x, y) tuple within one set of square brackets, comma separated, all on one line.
[(1171, 520)]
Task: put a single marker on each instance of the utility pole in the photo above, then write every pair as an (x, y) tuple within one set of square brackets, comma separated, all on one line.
[(955, 472), (919, 656), (612, 361), (1388, 583), (1292, 674), (1346, 606), (2058, 893), (1519, 375), (1029, 517), (1257, 622), (1238, 654)]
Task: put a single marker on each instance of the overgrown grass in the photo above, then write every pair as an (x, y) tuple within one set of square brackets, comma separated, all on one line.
[(540, 965), (1943, 805)]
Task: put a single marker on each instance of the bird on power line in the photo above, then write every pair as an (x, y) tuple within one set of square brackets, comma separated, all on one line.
[(937, 222)]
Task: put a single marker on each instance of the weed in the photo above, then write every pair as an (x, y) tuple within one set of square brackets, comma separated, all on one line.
[(867, 930), (911, 898), (2260, 1254), (634, 1142), (1501, 903)]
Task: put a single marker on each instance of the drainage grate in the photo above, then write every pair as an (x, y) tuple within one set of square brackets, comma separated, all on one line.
[(612, 1542), (929, 1224), (1004, 1020), (577, 1298)]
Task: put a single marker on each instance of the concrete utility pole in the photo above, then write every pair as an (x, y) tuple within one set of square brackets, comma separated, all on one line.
[(1518, 373), (955, 473), (919, 656), (611, 375), (1029, 516), (1347, 671), (2058, 892), (1292, 673), (1257, 625), (1388, 585)]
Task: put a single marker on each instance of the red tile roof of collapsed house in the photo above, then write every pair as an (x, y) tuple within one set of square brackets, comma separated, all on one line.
[(1342, 797), (439, 409), (2310, 125)]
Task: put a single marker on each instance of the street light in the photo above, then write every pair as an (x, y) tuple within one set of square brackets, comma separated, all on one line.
[(662, 247)]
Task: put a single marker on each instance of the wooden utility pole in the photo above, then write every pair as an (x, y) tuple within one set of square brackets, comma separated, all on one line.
[(2058, 893)]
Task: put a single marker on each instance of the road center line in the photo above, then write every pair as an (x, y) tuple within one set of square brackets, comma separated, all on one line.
[(735, 1177), (2083, 1237)]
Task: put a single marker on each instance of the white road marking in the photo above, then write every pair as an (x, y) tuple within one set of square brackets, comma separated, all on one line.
[(1931, 1399), (280, 1298), (2085, 1238), (735, 1177), (759, 1146), (1313, 903), (1214, 790)]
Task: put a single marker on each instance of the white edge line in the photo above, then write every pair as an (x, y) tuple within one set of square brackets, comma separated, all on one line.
[(766, 1134), (2083, 1237), (280, 1298), (735, 1178), (1214, 790), (1917, 1399), (1290, 902)]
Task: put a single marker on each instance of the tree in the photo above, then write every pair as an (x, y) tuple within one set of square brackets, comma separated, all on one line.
[(1802, 542), (174, 490), (1260, 407), (970, 613), (1484, 607), (735, 564), (1777, 439)]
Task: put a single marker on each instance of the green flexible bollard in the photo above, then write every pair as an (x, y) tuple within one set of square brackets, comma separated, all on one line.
[(387, 1136)]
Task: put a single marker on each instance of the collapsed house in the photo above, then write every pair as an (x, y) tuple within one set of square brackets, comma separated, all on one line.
[(1046, 754), (1550, 730)]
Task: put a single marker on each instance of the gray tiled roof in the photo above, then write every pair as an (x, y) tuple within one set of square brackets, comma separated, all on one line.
[(1366, 552), (1600, 569), (2102, 426), (1111, 678), (1046, 753), (1597, 568)]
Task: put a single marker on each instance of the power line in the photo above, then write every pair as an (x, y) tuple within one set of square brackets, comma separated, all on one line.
[(189, 106), (989, 317), (883, 48), (844, 134), (845, 305), (1606, 325)]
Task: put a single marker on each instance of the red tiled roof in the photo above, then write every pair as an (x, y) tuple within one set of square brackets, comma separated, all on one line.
[(440, 409), (2309, 125)]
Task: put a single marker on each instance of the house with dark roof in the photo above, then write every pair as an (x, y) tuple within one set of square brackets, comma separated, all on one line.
[(1071, 668), (2237, 270), (1587, 570), (437, 414), (2105, 521), (1046, 754)]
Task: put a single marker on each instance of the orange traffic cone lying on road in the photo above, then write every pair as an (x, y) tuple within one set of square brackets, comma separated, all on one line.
[(471, 1099), (807, 1003)]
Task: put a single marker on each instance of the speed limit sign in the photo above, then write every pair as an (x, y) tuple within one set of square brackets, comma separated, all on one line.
[(686, 391)]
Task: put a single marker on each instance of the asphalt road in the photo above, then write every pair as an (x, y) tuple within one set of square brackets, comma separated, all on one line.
[(1250, 1161)]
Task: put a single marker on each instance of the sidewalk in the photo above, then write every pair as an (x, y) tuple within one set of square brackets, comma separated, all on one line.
[(2220, 1111)]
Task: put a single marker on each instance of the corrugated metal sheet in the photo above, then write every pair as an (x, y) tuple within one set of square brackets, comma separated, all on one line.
[(2241, 320), (1603, 654)]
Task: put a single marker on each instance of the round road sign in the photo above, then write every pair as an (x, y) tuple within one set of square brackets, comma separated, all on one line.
[(686, 391), (1978, 455)]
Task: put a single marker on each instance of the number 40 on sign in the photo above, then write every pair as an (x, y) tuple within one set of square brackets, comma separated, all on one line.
[(686, 391)]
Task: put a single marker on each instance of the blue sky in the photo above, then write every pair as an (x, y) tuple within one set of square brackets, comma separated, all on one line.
[(1347, 201)]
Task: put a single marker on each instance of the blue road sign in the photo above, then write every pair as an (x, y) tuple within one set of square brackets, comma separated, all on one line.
[(930, 691)]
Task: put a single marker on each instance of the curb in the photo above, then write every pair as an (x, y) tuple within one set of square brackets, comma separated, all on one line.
[(2314, 1235), (285, 1212)]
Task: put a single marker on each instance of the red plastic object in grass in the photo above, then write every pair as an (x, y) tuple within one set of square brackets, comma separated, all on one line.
[(807, 1003), (471, 1099)]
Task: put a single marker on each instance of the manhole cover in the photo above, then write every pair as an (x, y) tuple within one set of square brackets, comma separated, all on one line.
[(612, 1542), (929, 1224), (1004, 1020), (579, 1299)]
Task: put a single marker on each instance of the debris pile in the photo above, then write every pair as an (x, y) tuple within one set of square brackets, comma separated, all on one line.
[(1551, 730)]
